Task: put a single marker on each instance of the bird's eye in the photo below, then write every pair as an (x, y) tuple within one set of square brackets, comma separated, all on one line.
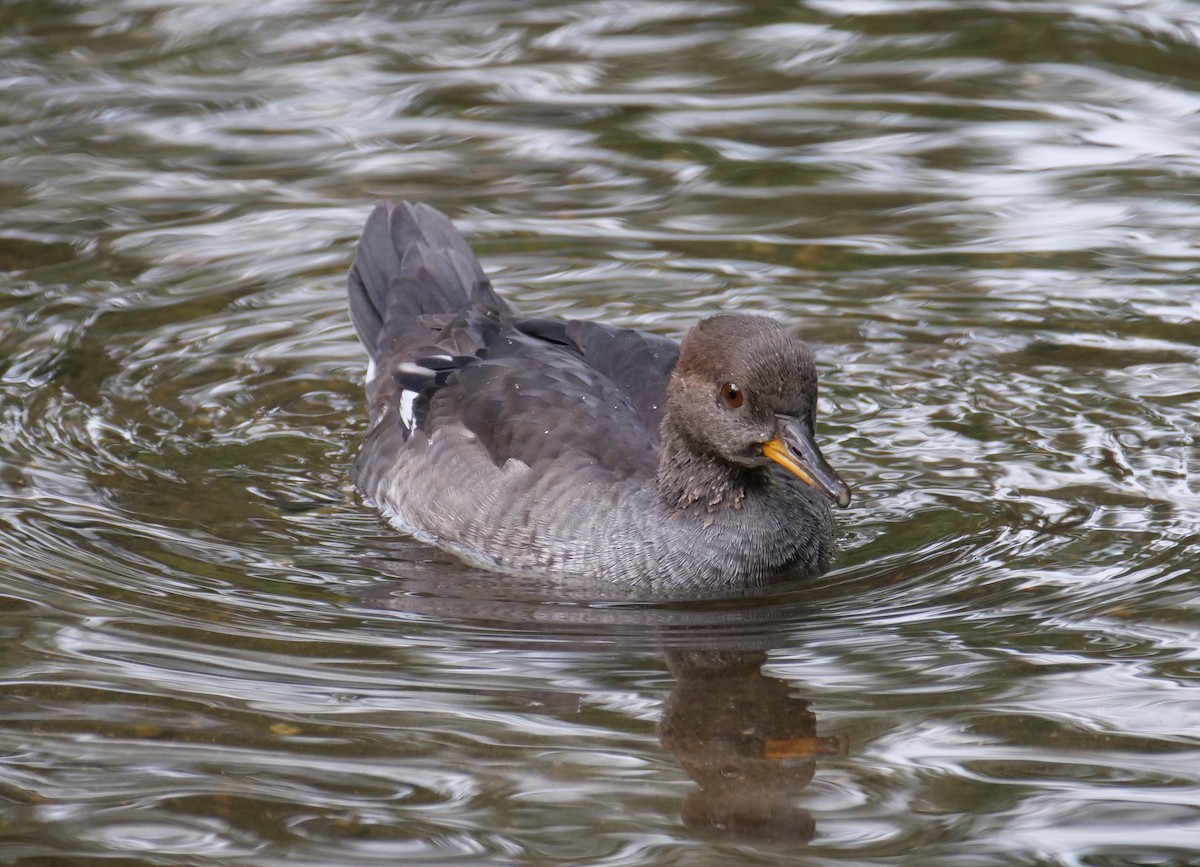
[(733, 395)]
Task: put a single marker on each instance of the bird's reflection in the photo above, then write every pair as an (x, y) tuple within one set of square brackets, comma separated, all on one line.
[(749, 743)]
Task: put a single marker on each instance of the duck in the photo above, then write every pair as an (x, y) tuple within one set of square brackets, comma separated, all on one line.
[(575, 450)]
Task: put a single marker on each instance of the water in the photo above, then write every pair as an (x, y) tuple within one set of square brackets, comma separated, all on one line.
[(982, 215)]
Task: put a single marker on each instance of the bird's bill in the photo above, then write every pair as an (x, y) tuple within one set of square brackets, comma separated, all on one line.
[(795, 449)]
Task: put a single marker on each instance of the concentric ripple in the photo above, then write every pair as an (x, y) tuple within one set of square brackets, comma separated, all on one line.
[(981, 215)]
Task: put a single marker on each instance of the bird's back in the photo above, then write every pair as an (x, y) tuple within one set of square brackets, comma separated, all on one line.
[(513, 441)]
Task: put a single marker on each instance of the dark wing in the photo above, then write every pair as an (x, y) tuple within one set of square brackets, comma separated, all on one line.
[(535, 401), (452, 356), (544, 402), (637, 363)]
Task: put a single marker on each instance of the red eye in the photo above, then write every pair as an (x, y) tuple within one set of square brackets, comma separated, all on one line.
[(732, 395)]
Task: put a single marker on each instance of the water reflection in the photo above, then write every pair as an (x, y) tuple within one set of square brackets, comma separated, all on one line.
[(982, 213), (745, 738)]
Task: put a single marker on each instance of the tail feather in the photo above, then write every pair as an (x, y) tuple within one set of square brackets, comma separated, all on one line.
[(412, 262)]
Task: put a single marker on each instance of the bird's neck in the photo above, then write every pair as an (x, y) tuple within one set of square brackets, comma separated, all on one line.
[(691, 477)]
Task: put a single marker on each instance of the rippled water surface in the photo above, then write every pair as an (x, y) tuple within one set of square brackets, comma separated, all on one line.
[(984, 216)]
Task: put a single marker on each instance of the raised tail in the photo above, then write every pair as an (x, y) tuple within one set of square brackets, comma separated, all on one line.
[(412, 262)]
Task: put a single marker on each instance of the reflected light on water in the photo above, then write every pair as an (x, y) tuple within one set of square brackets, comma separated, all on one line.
[(980, 215)]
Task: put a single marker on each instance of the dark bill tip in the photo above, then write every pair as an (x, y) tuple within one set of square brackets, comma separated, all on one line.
[(796, 450)]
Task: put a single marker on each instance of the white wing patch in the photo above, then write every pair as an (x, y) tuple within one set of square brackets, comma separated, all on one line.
[(410, 369), (406, 408), (414, 374)]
